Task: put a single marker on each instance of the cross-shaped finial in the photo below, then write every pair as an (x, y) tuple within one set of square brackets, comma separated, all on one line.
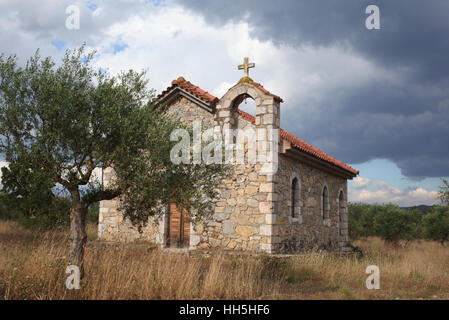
[(246, 66)]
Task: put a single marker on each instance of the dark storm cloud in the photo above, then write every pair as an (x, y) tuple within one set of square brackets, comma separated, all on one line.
[(413, 32), (407, 122)]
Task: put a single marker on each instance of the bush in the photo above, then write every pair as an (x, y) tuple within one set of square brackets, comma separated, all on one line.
[(436, 224), (53, 212), (361, 220), (57, 214), (417, 216), (6, 212), (387, 221), (48, 215), (92, 213), (393, 224)]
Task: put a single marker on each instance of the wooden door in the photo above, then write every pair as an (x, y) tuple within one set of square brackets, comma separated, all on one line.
[(178, 227)]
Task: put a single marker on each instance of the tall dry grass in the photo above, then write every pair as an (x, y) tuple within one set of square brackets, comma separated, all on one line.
[(32, 266)]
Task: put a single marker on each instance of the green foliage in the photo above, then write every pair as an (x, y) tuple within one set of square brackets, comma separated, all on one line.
[(436, 224), (58, 123), (6, 212), (57, 214), (54, 212), (417, 218), (393, 224), (386, 221), (93, 212), (347, 293), (361, 220)]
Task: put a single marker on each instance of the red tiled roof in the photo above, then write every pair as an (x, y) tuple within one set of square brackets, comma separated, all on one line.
[(189, 87), (295, 141), (304, 146), (247, 116)]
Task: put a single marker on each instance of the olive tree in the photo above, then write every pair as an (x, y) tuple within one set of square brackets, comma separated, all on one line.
[(60, 124), (392, 224), (436, 224)]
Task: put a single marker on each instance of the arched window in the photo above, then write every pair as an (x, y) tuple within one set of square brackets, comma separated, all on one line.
[(294, 196), (325, 203), (341, 213)]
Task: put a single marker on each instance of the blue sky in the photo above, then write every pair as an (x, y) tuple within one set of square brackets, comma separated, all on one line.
[(59, 44), (375, 99), (387, 171)]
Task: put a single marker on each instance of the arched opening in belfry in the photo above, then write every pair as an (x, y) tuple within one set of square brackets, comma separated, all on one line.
[(247, 104), (244, 134)]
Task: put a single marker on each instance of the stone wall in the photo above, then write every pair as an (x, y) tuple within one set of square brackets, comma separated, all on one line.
[(237, 222), (305, 228), (250, 194), (112, 226), (186, 111)]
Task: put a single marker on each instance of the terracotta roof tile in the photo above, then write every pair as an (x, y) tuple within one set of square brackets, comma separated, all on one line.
[(295, 141), (304, 146), (191, 88)]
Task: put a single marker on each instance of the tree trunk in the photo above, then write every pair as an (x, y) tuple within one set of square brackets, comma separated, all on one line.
[(78, 235)]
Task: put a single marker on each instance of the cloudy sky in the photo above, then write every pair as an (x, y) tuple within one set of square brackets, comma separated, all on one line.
[(375, 99)]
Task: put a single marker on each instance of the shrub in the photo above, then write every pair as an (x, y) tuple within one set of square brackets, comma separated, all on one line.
[(48, 214), (393, 224), (436, 224), (92, 212), (361, 220)]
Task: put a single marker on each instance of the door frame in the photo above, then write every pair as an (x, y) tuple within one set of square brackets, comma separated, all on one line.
[(166, 236)]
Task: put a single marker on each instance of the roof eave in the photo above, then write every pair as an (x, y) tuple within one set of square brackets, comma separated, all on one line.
[(174, 94), (319, 163)]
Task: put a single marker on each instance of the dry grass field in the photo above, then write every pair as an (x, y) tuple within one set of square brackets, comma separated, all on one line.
[(32, 266)]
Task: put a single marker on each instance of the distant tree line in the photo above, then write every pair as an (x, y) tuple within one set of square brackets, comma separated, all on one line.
[(48, 212), (392, 223)]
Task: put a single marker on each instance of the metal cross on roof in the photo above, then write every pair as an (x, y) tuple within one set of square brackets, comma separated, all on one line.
[(246, 66)]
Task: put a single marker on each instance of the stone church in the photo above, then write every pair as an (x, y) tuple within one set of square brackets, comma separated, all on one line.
[(299, 206)]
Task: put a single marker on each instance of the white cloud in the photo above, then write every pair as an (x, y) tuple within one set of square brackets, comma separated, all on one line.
[(361, 182), (221, 89), (376, 191), (173, 42)]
